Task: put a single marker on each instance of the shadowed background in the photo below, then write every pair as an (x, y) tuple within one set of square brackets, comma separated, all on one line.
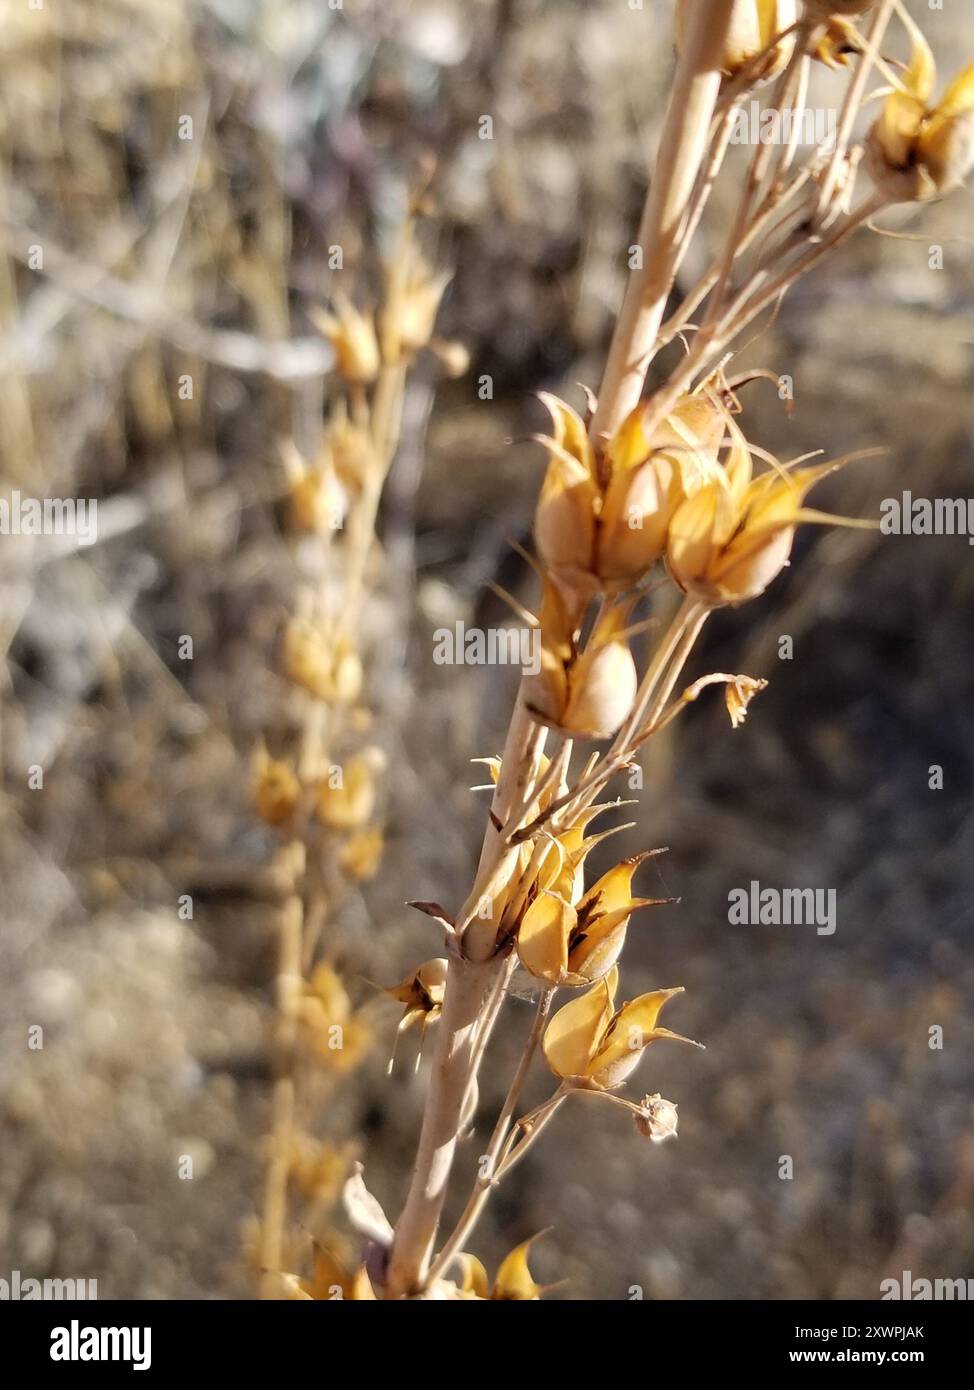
[(164, 257)]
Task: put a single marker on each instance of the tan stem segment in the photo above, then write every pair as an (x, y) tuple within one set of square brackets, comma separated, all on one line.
[(468, 986), (289, 986), (683, 147)]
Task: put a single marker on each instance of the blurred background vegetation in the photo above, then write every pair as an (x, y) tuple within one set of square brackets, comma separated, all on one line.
[(165, 257)]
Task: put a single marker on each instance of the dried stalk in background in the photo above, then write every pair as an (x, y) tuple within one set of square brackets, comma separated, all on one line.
[(325, 809)]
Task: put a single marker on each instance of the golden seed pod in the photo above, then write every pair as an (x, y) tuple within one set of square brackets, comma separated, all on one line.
[(565, 518), (346, 797), (635, 519), (346, 673), (332, 1030), (352, 335), (648, 479), (307, 657), (585, 694), (351, 449), (330, 672), (412, 302), (361, 854), (326, 991), (753, 27), (422, 992), (420, 306), (946, 144), (514, 1280), (592, 1044), (424, 987), (332, 1278), (316, 499), (589, 694), (564, 944), (276, 789), (916, 150), (836, 43), (734, 536), (316, 504), (602, 686), (564, 523), (452, 356)]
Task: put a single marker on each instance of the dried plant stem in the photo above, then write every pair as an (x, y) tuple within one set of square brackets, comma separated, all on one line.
[(759, 292), (482, 1187), (683, 148), (385, 417), (468, 986), (472, 975), (290, 979), (850, 107), (530, 1126)]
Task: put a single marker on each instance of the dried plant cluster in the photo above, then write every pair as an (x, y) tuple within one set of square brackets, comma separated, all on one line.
[(322, 792), (656, 501)]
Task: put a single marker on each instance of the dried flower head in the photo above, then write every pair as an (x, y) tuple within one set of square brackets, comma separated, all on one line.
[(352, 335), (514, 1281), (590, 1043), (753, 28), (333, 1031), (277, 789), (347, 795), (918, 148), (567, 945), (412, 305), (733, 537)]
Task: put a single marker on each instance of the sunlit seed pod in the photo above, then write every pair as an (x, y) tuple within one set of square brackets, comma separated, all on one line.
[(420, 306), (346, 673), (424, 987), (277, 789), (633, 1028), (421, 992), (946, 144), (836, 44), (351, 450), (306, 657), (564, 522), (514, 1281), (352, 334), (316, 503), (349, 802), (602, 686), (453, 356), (361, 854), (917, 149), (753, 27), (543, 938), (635, 518), (591, 1043), (568, 505)]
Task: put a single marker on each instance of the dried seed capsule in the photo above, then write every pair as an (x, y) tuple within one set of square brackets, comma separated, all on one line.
[(352, 335), (753, 27), (592, 1044)]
